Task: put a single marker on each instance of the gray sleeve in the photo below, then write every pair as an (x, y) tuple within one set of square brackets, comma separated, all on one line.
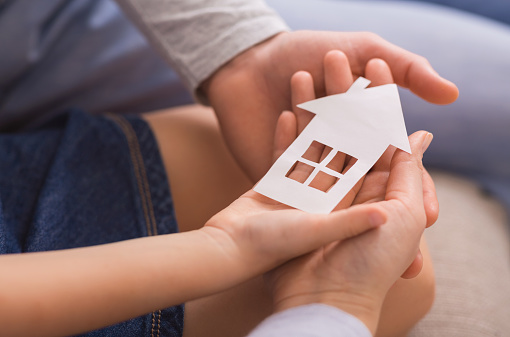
[(199, 36), (314, 320)]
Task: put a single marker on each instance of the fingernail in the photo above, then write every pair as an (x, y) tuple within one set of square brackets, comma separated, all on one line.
[(377, 219), (427, 141)]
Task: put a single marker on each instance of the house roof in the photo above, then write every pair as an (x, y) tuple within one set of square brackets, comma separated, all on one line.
[(363, 115)]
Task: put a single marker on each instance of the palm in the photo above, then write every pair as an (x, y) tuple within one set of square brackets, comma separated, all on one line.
[(250, 93)]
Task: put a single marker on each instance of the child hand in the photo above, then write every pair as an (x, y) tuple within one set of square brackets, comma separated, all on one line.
[(257, 233)]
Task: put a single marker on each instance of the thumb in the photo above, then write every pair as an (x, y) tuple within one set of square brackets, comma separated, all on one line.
[(306, 232)]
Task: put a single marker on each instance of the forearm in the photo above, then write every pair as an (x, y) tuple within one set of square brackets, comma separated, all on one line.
[(71, 291), (364, 305), (198, 37)]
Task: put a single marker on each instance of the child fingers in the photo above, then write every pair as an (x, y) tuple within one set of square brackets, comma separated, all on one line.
[(338, 79), (383, 163), (315, 153), (340, 162), (302, 90), (352, 221), (337, 72), (304, 232), (378, 72), (285, 133), (316, 230)]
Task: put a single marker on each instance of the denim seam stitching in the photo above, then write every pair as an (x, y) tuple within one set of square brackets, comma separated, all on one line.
[(143, 188), (140, 174)]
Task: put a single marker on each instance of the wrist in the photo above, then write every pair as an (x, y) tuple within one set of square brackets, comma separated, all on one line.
[(250, 61), (220, 232), (364, 306)]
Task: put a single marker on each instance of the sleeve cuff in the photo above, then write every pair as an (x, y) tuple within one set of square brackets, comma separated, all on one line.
[(311, 320), (199, 37)]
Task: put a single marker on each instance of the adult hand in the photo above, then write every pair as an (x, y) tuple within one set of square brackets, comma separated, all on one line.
[(355, 275), (249, 93)]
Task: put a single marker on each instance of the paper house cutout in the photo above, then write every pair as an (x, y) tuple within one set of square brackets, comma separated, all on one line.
[(361, 122)]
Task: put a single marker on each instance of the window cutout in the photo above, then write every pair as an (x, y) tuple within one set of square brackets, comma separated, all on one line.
[(300, 172), (349, 162), (341, 162), (316, 152), (323, 181)]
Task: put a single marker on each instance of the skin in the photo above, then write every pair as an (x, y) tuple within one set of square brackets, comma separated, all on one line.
[(226, 313), (115, 282), (397, 319), (400, 311), (242, 241), (236, 245), (332, 274), (249, 93)]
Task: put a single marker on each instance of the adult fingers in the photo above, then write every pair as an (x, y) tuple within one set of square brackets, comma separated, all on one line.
[(430, 201), (409, 70), (405, 182), (414, 268)]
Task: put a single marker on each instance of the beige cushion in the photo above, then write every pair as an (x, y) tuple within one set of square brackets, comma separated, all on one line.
[(470, 247)]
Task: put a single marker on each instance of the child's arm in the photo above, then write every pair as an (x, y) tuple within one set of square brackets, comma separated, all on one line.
[(72, 291)]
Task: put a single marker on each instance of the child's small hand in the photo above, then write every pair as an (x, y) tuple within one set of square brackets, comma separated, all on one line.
[(259, 233)]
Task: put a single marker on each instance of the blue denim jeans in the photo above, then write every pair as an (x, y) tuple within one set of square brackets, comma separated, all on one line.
[(81, 181)]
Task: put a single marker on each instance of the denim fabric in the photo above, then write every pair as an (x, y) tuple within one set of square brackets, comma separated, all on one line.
[(83, 181)]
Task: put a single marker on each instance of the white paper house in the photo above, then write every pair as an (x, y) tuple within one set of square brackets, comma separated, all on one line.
[(361, 122)]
